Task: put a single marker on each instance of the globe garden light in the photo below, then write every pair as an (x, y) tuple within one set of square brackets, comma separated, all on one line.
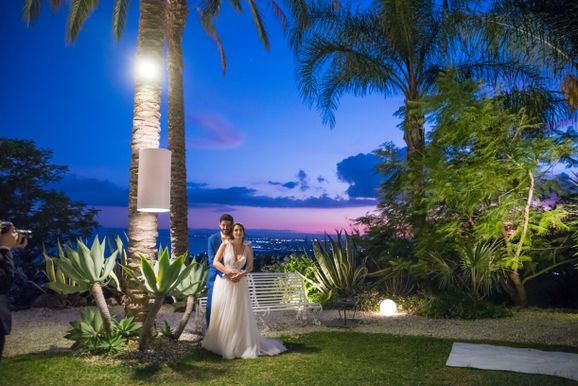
[(387, 307), (147, 68), (154, 180)]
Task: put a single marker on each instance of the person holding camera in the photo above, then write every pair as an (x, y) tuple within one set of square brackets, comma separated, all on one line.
[(10, 237)]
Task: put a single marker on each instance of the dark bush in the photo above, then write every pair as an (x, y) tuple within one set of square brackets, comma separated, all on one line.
[(461, 306)]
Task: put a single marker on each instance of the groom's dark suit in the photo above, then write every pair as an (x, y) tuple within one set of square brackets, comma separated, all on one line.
[(214, 244)]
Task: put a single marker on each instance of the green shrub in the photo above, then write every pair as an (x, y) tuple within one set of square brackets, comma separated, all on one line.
[(369, 299), (89, 334), (413, 304), (461, 306), (274, 267)]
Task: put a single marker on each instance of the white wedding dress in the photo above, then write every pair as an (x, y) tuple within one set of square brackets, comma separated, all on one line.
[(232, 331)]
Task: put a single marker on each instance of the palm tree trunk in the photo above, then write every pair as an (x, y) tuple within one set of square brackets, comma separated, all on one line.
[(96, 292), (176, 19), (142, 227), (186, 317), (413, 135), (148, 324)]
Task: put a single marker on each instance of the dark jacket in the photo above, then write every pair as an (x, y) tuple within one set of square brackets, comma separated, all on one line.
[(6, 278)]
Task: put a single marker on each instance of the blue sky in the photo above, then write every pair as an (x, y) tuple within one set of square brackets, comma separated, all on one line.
[(253, 146)]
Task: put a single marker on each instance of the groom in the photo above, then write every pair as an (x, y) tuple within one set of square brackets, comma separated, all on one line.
[(226, 228)]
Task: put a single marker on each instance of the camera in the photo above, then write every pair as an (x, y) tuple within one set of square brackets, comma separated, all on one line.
[(24, 233)]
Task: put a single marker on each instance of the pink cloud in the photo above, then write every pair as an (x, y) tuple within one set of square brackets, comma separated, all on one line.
[(306, 220), (212, 131)]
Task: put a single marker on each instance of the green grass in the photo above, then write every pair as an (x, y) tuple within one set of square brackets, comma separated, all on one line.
[(321, 358)]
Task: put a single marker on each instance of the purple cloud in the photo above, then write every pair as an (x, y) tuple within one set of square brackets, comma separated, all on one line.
[(212, 131)]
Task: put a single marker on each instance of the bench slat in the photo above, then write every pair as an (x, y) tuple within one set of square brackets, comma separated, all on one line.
[(275, 292)]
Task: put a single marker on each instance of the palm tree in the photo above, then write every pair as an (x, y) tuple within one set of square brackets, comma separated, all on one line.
[(142, 227), (557, 22), (176, 18), (400, 47)]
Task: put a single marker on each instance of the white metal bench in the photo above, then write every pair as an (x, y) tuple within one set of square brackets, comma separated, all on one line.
[(276, 292)]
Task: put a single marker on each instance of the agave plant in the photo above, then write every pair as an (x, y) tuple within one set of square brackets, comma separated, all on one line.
[(339, 270), (161, 280), (89, 335), (189, 288), (85, 269)]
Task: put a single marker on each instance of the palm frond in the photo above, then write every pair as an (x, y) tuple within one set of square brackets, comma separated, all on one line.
[(278, 12), (209, 27), (31, 10), (119, 16), (259, 23), (79, 12)]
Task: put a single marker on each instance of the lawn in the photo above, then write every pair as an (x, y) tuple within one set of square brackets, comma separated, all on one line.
[(320, 358)]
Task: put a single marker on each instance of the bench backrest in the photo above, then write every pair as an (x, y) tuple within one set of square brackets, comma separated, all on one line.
[(266, 289), (273, 290)]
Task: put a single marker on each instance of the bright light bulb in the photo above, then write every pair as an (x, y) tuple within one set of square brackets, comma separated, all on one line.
[(147, 69), (387, 307)]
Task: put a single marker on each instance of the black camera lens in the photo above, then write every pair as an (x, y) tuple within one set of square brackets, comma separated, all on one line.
[(25, 233)]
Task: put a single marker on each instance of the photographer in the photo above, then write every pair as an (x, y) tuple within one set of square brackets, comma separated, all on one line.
[(10, 237)]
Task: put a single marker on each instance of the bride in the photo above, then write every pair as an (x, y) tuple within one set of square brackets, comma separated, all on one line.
[(232, 330)]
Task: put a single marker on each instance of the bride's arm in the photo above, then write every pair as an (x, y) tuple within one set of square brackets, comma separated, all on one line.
[(250, 259), (218, 258)]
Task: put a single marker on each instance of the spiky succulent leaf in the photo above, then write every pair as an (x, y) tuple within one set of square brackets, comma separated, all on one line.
[(149, 276)]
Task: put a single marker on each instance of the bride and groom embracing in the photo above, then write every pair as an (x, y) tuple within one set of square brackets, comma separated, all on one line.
[(231, 326)]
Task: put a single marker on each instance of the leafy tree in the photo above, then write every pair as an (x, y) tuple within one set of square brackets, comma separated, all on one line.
[(484, 170), (400, 48), (27, 199)]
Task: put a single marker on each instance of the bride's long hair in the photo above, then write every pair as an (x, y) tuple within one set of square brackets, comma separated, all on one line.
[(242, 227)]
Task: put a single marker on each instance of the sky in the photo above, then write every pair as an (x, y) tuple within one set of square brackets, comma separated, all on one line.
[(255, 149)]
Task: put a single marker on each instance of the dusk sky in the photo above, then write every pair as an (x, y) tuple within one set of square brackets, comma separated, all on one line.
[(254, 148)]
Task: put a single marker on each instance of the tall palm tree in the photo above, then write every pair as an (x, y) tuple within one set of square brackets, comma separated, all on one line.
[(142, 227), (399, 47), (176, 16)]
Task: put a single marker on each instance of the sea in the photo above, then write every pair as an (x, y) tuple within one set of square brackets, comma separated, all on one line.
[(265, 242)]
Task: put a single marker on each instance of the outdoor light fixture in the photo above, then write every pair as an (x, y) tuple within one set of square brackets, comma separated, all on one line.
[(387, 307), (147, 68), (154, 180)]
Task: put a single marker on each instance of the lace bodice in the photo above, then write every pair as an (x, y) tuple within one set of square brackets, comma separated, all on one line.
[(229, 260)]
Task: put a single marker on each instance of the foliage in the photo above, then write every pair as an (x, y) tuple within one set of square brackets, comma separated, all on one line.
[(75, 271), (194, 283), (29, 200), (459, 305), (340, 270), (165, 276), (90, 336), (369, 299), (476, 269), (487, 176), (305, 266), (83, 270), (412, 304), (163, 279)]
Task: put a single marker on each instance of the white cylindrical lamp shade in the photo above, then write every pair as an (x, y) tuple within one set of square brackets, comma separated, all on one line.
[(154, 180)]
